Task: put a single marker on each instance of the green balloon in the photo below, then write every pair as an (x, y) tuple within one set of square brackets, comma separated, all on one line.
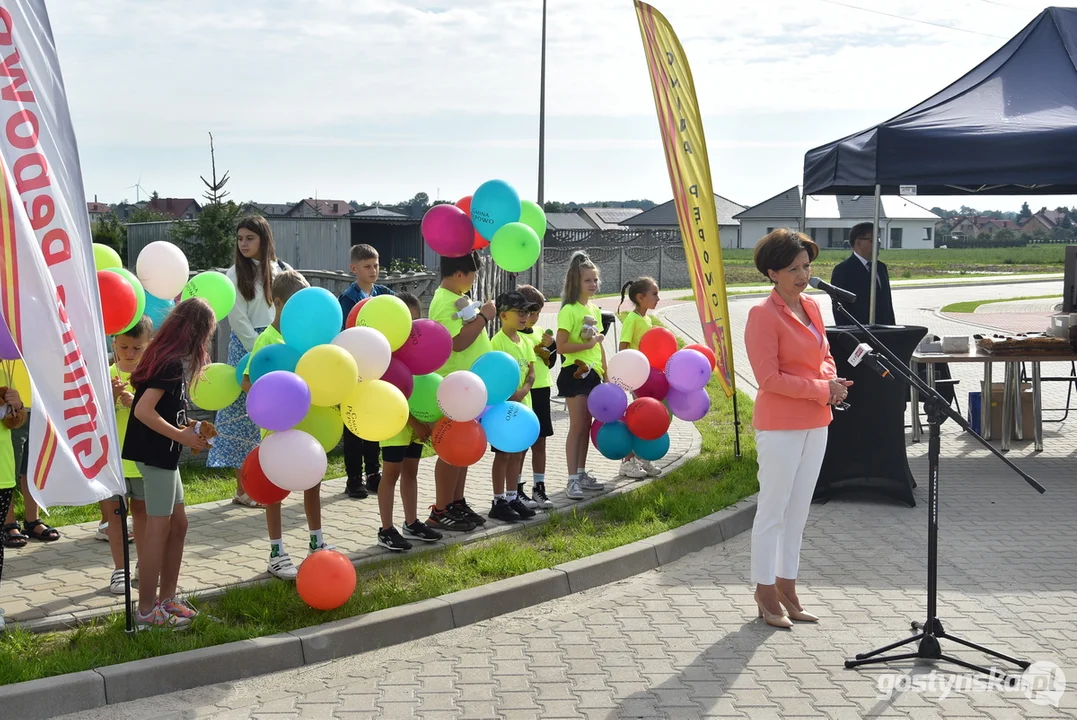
[(105, 257), (532, 216), (423, 402), (215, 288), (140, 294), (324, 424), (515, 247), (217, 388)]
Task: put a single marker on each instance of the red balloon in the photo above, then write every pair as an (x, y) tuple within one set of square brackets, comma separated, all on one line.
[(326, 580), (464, 204), (459, 443), (707, 353), (595, 427), (118, 301), (657, 386), (399, 375), (354, 313), (256, 484), (658, 344), (647, 418)]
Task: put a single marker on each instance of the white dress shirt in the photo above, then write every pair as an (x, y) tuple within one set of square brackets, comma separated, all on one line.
[(247, 315)]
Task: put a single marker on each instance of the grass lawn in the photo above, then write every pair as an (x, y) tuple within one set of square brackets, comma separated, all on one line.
[(971, 305), (705, 484)]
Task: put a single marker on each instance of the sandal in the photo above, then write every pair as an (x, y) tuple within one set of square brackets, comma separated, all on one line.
[(38, 530), (246, 501), (13, 537)]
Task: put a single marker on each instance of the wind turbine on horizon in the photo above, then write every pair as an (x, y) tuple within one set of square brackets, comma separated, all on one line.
[(138, 187)]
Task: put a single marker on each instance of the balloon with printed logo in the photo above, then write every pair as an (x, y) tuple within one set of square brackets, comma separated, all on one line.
[(118, 301), (494, 205), (500, 373), (427, 348), (278, 401), (479, 242), (657, 386), (158, 309), (628, 369), (688, 370), (215, 288), (104, 257), (510, 426), (330, 372), (375, 410), (388, 315), (651, 450), (448, 231), (140, 295), (515, 247), (272, 358), (256, 484), (647, 418), (688, 406), (292, 460), (400, 376), (459, 443), (216, 388), (162, 269), (353, 314), (311, 317), (534, 217), (658, 344), (423, 403), (324, 425), (462, 396), (707, 353), (614, 440), (370, 350)]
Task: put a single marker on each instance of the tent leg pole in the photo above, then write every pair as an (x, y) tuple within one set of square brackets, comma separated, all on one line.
[(875, 255)]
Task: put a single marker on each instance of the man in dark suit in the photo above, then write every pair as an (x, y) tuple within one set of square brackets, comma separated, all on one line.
[(854, 274)]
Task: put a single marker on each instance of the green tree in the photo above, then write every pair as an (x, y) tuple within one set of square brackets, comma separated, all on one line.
[(1026, 212), (108, 230), (144, 215), (209, 239)]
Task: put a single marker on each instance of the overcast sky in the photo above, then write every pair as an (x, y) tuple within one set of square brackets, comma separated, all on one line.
[(377, 100)]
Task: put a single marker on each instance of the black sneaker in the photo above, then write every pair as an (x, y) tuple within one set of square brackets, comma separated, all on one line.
[(446, 520), (372, 482), (540, 497), (501, 510), (392, 540), (356, 489), (420, 531), (464, 510), (521, 509)]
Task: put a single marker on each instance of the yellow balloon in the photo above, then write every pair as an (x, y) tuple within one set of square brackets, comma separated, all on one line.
[(330, 372), (20, 380), (388, 315), (375, 410)]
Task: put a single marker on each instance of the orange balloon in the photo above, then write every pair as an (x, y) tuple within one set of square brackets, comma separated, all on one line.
[(658, 344), (459, 443), (326, 580), (464, 204), (707, 353), (353, 316)]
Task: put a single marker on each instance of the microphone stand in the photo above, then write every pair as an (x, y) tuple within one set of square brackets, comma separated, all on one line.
[(931, 631)]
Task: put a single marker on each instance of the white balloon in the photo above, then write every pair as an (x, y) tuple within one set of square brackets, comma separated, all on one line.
[(162, 269), (370, 350), (629, 369), (462, 396), (293, 460)]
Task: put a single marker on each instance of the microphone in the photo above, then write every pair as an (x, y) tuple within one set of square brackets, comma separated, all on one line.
[(837, 293), (863, 353)]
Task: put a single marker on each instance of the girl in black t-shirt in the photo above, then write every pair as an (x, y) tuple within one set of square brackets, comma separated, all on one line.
[(156, 433)]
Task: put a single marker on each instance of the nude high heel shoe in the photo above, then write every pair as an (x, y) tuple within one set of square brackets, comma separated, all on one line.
[(794, 612), (778, 621)]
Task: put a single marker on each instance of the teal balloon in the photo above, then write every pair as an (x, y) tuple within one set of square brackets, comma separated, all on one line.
[(494, 205), (500, 373), (241, 369), (272, 358), (157, 309), (510, 426), (311, 317), (614, 440), (650, 449)]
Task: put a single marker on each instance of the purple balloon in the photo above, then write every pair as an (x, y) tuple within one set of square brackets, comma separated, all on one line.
[(656, 387), (448, 231), (399, 375), (607, 403), (688, 406), (688, 370), (427, 348), (278, 400), (8, 351)]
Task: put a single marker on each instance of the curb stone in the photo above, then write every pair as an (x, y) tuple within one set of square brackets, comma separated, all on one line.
[(49, 697)]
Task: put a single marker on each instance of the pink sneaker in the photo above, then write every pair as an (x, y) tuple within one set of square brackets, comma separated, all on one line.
[(158, 618), (179, 609)]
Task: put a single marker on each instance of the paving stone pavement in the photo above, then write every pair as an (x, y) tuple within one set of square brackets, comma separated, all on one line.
[(683, 642)]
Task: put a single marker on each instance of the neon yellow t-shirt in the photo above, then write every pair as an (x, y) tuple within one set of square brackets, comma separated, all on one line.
[(570, 319), (442, 307), (7, 449), (123, 414), (522, 351), (402, 439), (269, 336), (542, 370), (634, 327)]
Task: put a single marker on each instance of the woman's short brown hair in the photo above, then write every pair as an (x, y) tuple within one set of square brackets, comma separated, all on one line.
[(778, 249)]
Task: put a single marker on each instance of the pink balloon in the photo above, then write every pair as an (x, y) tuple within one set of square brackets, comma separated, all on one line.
[(596, 425), (427, 348), (400, 375), (448, 231), (657, 386)]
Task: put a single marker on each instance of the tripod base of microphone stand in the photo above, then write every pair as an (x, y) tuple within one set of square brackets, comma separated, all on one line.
[(929, 648)]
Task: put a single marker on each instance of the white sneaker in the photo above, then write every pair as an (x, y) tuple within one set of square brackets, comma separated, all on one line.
[(323, 546), (102, 532), (118, 584), (631, 468), (649, 468), (158, 618), (590, 483), (574, 490), (282, 567)]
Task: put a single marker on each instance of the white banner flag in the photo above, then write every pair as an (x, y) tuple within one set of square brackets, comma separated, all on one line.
[(48, 284)]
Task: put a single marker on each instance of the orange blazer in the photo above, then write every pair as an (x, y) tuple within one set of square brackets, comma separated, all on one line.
[(792, 368)]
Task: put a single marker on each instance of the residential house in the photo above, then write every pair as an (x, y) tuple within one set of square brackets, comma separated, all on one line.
[(125, 210), (179, 208), (664, 217), (97, 210), (379, 213), (1045, 219), (567, 221), (266, 209), (971, 226), (902, 223), (607, 218), (312, 207)]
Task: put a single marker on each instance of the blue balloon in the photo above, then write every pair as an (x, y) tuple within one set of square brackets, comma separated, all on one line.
[(650, 449), (158, 309), (494, 205), (272, 358), (241, 369), (500, 373), (311, 317), (614, 440), (510, 426)]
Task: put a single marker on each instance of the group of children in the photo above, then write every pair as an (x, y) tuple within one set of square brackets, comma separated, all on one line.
[(152, 370)]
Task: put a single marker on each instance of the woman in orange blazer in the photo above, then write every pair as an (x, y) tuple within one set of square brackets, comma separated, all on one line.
[(798, 384)]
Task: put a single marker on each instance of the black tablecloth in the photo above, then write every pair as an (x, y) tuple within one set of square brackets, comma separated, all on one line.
[(865, 447)]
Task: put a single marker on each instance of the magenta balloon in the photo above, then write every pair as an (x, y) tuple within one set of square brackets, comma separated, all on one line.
[(427, 348), (278, 400), (399, 375), (448, 231), (688, 370), (656, 387), (607, 403), (689, 406)]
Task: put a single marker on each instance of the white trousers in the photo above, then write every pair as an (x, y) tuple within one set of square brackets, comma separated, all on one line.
[(789, 462)]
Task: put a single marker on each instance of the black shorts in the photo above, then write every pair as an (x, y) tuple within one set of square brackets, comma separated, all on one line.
[(20, 445), (569, 386), (540, 403), (397, 453)]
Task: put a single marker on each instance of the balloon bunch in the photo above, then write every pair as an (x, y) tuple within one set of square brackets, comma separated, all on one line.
[(161, 274), (666, 381), (494, 217)]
